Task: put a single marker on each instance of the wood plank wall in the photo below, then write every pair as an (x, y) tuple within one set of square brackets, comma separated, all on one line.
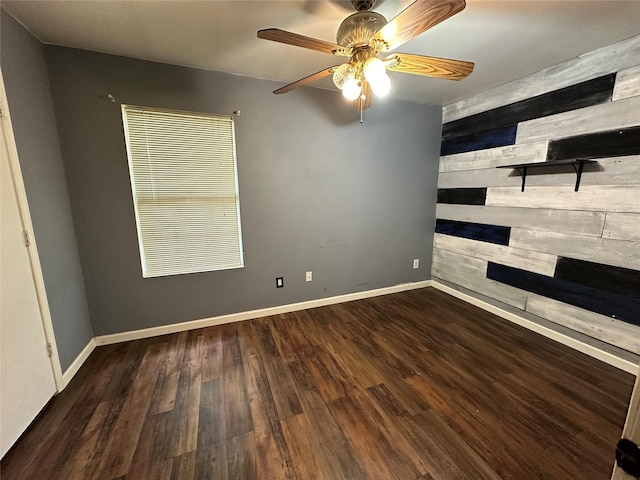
[(569, 257)]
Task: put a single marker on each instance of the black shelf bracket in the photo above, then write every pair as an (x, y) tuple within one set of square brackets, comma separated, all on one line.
[(522, 168), (578, 169), (523, 173)]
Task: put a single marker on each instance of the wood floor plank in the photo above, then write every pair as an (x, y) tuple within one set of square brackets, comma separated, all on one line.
[(83, 458), (421, 433), (148, 458), (119, 450), (328, 377), (415, 385), (167, 387), (284, 396), (517, 458), (388, 455), (397, 353), (125, 370), (212, 357), (185, 414), (410, 400), (164, 471), (297, 433), (288, 336), (211, 455), (447, 454), (241, 457), (182, 467), (236, 406), (351, 359), (334, 452), (376, 455), (272, 456)]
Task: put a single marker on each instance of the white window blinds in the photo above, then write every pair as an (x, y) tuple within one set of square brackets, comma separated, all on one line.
[(185, 190)]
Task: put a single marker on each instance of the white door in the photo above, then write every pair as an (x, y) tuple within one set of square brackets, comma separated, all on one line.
[(631, 432), (26, 374)]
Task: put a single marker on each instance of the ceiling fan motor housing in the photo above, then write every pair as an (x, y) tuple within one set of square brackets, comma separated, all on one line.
[(356, 29)]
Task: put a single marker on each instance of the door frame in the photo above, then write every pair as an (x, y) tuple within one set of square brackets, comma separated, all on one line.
[(25, 217), (631, 428)]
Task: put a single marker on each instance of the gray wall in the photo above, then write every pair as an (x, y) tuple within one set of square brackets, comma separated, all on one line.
[(319, 191), (34, 124), (598, 226)]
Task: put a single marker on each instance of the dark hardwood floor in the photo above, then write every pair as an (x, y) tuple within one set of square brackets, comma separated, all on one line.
[(417, 385)]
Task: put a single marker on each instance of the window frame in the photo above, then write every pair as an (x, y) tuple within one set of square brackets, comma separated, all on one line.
[(146, 273)]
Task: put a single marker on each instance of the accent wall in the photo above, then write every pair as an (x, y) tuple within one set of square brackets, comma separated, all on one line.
[(536, 245)]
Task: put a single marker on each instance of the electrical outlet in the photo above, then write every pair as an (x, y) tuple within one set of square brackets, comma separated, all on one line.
[(416, 263), (279, 282), (309, 277)]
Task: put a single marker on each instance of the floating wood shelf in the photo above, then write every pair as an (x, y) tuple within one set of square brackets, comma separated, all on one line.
[(577, 164)]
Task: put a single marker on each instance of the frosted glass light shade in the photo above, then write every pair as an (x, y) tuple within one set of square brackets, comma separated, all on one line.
[(381, 85), (374, 69), (342, 74), (351, 89)]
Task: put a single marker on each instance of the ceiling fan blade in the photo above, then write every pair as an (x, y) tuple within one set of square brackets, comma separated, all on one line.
[(429, 66), (282, 36), (367, 101), (418, 17), (306, 80)]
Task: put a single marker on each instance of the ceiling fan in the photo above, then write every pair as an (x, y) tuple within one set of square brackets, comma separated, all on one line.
[(363, 36)]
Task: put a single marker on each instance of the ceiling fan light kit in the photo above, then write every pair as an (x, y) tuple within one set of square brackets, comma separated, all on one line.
[(365, 34), (350, 77)]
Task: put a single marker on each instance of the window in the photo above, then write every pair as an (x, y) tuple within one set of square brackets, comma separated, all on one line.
[(185, 190)]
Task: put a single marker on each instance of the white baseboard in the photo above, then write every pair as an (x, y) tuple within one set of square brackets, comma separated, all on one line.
[(590, 350), (248, 315), (77, 363)]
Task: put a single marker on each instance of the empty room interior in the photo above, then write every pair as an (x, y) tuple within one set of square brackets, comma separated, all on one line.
[(312, 239)]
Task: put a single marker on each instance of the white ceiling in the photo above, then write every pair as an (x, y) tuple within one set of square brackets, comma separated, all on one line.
[(507, 40)]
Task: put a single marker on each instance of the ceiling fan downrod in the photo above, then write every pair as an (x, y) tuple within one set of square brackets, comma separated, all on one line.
[(363, 5)]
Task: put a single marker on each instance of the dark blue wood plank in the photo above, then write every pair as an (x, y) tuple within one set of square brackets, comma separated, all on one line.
[(614, 305), (612, 143), (479, 141), (462, 196), (604, 277), (475, 231), (584, 94)]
